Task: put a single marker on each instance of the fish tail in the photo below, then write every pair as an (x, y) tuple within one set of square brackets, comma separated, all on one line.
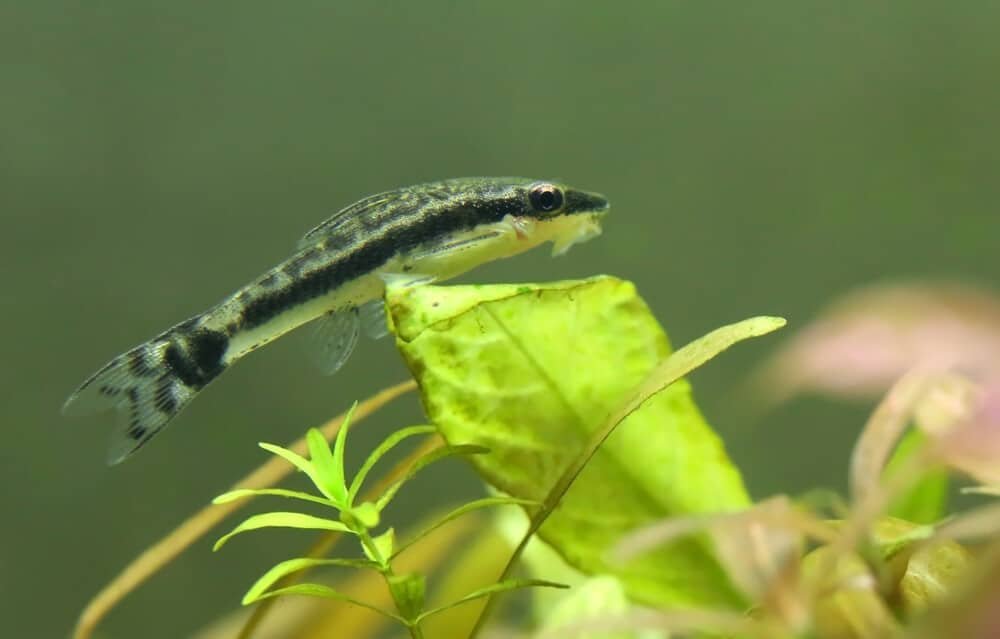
[(151, 383)]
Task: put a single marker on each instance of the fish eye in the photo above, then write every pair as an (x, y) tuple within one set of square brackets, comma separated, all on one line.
[(545, 198)]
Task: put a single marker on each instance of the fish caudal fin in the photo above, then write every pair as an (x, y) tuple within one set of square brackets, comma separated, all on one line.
[(150, 384)]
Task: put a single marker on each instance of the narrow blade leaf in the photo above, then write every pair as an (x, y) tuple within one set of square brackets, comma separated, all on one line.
[(283, 520), (317, 590), (243, 493), (299, 462), (292, 566), (436, 455), (324, 464), (383, 546), (338, 457), (486, 502), (387, 444), (503, 586)]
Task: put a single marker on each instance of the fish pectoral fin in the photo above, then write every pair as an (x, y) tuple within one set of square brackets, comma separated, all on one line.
[(333, 338), (373, 319)]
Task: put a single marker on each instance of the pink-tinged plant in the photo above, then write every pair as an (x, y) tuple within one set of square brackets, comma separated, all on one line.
[(864, 574), (963, 420), (860, 345)]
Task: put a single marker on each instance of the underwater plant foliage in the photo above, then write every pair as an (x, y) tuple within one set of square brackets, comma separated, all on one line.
[(530, 372), (627, 517), (513, 368)]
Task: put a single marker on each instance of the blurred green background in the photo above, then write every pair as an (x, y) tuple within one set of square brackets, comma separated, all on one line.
[(760, 158)]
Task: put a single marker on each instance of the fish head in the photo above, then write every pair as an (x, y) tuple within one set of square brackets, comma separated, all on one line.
[(561, 214)]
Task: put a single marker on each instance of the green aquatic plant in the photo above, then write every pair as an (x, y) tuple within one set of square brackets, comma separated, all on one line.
[(521, 388), (325, 469), (547, 412), (569, 402)]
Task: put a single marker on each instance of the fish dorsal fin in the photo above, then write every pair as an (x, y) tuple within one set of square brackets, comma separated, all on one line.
[(333, 339), (346, 219), (381, 208)]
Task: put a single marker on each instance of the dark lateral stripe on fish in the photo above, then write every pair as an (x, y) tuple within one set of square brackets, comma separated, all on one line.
[(365, 257), (434, 230)]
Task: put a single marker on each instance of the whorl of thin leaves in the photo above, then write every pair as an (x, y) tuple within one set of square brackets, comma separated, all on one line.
[(325, 469)]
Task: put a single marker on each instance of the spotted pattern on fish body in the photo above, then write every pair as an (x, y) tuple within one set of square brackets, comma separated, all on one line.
[(426, 232)]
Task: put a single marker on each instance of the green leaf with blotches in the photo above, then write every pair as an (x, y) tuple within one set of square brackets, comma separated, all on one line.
[(847, 603), (924, 570), (933, 573), (531, 371)]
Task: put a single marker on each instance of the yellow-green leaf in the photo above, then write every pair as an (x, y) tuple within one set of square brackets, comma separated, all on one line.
[(319, 590), (485, 502), (531, 371), (283, 520), (436, 455), (326, 470), (243, 493), (302, 464), (387, 444), (503, 586), (933, 573), (383, 545), (848, 603), (291, 566), (925, 570)]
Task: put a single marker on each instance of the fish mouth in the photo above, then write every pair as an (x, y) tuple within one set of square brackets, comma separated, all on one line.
[(578, 221), (577, 229)]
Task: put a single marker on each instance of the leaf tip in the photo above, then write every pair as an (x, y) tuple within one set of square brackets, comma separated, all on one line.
[(769, 323)]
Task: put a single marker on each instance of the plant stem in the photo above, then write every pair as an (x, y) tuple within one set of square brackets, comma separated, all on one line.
[(385, 569)]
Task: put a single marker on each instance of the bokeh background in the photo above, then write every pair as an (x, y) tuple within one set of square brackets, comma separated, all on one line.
[(760, 157)]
